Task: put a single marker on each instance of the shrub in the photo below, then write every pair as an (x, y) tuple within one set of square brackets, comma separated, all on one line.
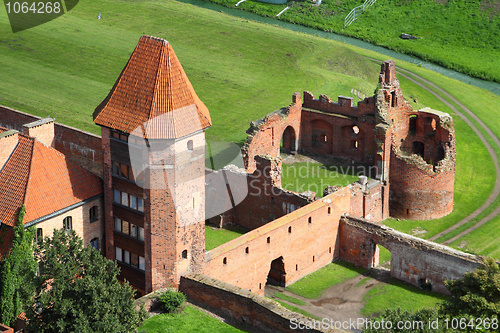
[(171, 300)]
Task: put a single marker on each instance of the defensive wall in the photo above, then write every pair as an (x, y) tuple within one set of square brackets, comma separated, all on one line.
[(257, 313), (285, 249), (414, 260), (265, 135), (80, 146)]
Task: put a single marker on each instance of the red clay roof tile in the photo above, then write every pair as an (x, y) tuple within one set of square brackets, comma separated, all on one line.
[(153, 92), (44, 180)]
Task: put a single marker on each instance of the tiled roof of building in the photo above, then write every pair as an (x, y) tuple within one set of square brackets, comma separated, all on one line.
[(153, 91), (43, 180)]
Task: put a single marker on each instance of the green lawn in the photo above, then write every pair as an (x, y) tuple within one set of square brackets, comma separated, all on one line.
[(398, 294), (313, 285), (296, 309), (289, 299), (218, 236), (189, 320), (483, 240), (454, 34), (310, 176)]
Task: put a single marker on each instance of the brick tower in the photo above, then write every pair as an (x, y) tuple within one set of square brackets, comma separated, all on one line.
[(417, 149), (153, 141)]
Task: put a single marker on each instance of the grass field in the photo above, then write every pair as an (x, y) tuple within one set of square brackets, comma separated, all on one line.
[(313, 285), (390, 296), (189, 320), (218, 236), (315, 177), (242, 70), (453, 34)]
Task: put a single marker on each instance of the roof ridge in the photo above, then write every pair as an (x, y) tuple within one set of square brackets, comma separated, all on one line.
[(25, 197)]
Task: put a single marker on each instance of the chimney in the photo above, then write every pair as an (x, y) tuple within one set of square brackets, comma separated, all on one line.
[(8, 141), (42, 130)]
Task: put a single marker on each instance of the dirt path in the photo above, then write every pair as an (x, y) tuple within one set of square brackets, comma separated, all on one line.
[(342, 302)]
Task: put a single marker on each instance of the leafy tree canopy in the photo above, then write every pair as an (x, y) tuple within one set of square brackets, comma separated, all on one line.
[(17, 272), (78, 290), (476, 294)]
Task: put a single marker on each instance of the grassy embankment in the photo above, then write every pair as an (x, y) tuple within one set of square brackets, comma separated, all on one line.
[(454, 34), (242, 70)]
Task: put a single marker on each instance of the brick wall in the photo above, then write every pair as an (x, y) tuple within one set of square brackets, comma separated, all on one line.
[(310, 231), (339, 129), (413, 259), (266, 200), (79, 146), (237, 305), (265, 134)]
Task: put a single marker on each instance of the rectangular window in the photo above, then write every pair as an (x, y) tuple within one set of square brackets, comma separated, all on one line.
[(124, 199), (116, 196), (133, 202), (118, 253), (140, 205), (115, 167), (125, 227), (123, 171), (141, 234), (39, 235), (126, 257), (133, 230), (134, 260), (118, 224), (142, 263)]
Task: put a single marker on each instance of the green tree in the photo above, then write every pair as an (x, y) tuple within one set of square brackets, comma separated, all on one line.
[(78, 290), (17, 273), (476, 294)]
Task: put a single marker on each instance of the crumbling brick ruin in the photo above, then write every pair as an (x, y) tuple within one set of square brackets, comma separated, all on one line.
[(411, 153), (156, 234)]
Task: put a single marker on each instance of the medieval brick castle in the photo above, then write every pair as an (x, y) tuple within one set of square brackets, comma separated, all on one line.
[(148, 213)]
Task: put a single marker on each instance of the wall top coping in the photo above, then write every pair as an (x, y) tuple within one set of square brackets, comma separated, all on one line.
[(278, 223)]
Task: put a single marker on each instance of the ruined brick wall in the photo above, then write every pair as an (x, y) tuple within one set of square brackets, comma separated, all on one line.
[(81, 147), (265, 135), (413, 260), (422, 153), (310, 231), (339, 129), (240, 306), (266, 200), (369, 201)]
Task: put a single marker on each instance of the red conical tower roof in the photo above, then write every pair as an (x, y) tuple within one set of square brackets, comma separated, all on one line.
[(153, 92)]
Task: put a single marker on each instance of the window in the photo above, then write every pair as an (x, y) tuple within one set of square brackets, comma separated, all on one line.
[(142, 263), (39, 235), (119, 136), (126, 256), (134, 260), (129, 229), (93, 213), (118, 253), (184, 254), (118, 224), (95, 243), (67, 223), (122, 170), (128, 200), (309, 220), (190, 145), (116, 196)]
